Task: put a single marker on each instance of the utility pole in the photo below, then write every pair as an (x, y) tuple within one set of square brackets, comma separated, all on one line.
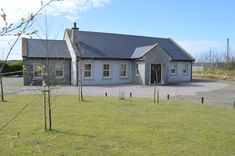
[(228, 50), (210, 53)]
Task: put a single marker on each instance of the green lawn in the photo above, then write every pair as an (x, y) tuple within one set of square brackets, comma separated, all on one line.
[(108, 126)]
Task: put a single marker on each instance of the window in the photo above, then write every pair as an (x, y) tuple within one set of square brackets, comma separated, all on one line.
[(38, 70), (87, 70), (123, 72), (136, 69), (106, 70), (185, 69), (59, 70), (173, 69)]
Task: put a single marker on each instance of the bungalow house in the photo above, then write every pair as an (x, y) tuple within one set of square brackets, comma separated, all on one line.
[(104, 58)]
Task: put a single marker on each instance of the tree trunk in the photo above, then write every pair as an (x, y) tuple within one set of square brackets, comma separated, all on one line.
[(2, 94)]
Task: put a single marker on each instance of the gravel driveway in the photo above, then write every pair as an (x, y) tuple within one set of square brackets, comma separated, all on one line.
[(187, 89), (214, 92)]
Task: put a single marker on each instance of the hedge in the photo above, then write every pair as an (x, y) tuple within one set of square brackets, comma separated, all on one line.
[(13, 66)]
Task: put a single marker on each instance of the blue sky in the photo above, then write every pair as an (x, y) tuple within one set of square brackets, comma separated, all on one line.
[(197, 25)]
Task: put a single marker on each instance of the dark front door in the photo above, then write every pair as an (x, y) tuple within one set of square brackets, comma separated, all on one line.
[(156, 73)]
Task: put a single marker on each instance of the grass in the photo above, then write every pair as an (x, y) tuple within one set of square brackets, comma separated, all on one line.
[(216, 74), (108, 126)]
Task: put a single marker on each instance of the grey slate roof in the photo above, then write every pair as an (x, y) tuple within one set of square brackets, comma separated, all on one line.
[(141, 51), (108, 45), (38, 48)]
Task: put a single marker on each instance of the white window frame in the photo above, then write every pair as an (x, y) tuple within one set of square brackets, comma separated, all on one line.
[(106, 70), (125, 70), (173, 66), (185, 67), (136, 69), (59, 66), (85, 70), (40, 68)]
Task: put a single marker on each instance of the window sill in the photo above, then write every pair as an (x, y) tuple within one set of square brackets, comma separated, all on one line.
[(88, 79), (59, 77), (107, 78), (124, 77), (37, 78)]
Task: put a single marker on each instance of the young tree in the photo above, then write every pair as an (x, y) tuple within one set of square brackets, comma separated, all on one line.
[(17, 29), (80, 71)]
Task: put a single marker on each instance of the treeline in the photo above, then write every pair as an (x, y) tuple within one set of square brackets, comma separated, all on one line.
[(215, 56), (224, 66), (228, 66), (12, 67)]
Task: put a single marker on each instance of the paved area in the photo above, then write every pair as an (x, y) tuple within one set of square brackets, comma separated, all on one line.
[(187, 89), (214, 92), (224, 97)]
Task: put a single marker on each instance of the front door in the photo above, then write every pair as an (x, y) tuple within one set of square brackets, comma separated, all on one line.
[(156, 73)]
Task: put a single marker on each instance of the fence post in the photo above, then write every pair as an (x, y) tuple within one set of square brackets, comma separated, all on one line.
[(49, 107), (154, 93), (44, 105), (202, 100), (158, 96)]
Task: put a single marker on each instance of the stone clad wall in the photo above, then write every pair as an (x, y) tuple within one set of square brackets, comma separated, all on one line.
[(29, 73)]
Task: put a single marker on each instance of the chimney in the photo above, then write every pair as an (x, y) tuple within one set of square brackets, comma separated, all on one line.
[(74, 33), (75, 26)]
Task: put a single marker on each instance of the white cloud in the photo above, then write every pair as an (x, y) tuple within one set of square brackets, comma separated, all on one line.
[(15, 9), (72, 18)]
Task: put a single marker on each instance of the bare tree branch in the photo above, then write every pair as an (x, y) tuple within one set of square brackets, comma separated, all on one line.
[(25, 24), (9, 28)]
